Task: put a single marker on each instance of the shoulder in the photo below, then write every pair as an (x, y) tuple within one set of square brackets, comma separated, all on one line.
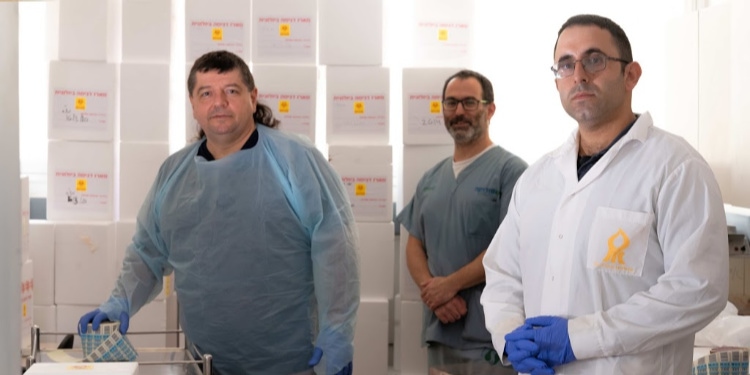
[(284, 143), (506, 159), (436, 169), (176, 159)]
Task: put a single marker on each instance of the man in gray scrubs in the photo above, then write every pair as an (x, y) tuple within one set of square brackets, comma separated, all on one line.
[(455, 212)]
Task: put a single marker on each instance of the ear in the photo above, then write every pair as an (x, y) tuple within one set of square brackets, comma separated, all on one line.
[(632, 75), (490, 110), (254, 95)]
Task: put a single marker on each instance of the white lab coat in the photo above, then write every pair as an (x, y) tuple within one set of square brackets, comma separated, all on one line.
[(634, 254)]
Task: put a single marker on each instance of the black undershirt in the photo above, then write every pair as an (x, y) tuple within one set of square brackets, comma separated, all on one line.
[(251, 142), (585, 162)]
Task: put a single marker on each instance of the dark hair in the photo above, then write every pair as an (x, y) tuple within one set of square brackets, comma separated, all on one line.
[(618, 34), (487, 93), (225, 61)]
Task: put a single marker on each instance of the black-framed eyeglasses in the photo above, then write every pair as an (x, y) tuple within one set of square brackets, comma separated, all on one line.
[(592, 63), (469, 104)]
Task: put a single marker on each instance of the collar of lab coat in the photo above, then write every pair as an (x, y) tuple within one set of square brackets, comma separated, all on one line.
[(566, 155)]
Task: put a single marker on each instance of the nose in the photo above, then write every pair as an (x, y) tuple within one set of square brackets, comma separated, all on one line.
[(579, 72), (220, 99), (459, 109)]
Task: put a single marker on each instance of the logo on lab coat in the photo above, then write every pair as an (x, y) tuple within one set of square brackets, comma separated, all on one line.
[(615, 258)]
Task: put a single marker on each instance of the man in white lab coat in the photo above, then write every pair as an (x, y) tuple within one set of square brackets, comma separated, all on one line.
[(613, 252)]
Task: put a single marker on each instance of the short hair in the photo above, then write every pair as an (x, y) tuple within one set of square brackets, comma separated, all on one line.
[(618, 34), (487, 93), (222, 62)]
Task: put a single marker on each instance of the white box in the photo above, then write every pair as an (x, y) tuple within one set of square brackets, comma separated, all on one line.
[(83, 98), (423, 121), (377, 260), (144, 102), (443, 34), (124, 237), (25, 214), (408, 290), (290, 91), (84, 263), (90, 30), (101, 368), (417, 160), (139, 164), (371, 337), (150, 318), (285, 31), (146, 30), (80, 181), (360, 155), (46, 318), (409, 354), (27, 303), (370, 190), (212, 25), (42, 244), (357, 105), (351, 32)]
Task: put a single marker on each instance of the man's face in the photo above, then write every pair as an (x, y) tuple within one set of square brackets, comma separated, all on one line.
[(467, 126), (222, 104), (590, 98)]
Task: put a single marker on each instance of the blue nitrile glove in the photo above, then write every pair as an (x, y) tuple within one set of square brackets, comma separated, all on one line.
[(551, 334), (96, 317), (519, 350), (318, 354), (522, 355), (533, 366)]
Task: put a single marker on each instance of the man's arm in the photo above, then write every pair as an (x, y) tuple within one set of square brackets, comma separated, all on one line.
[(327, 213), (439, 290), (502, 298), (416, 261), (144, 265)]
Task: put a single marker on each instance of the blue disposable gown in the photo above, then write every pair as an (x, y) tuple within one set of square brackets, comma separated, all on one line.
[(263, 248)]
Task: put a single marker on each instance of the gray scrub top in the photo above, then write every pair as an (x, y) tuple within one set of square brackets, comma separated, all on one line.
[(456, 218)]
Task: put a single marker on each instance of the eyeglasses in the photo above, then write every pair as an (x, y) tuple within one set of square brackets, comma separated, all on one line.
[(592, 63), (469, 104)]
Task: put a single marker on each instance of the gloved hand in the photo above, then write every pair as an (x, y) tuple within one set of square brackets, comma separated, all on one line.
[(522, 355), (318, 354), (550, 333), (96, 317), (533, 366)]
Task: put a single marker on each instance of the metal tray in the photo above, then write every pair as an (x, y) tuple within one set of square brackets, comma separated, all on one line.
[(151, 361)]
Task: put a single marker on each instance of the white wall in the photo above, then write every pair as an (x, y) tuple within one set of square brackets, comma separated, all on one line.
[(10, 199), (516, 50)]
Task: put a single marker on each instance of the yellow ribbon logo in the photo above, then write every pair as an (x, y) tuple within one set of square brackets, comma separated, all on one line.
[(615, 253)]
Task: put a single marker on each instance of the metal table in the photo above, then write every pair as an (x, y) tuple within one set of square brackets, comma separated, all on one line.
[(151, 361)]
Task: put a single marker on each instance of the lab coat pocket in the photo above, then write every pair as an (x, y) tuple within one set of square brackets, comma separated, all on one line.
[(618, 241)]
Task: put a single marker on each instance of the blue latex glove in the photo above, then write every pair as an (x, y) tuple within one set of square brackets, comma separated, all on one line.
[(519, 350), (318, 354), (533, 366), (96, 317), (550, 333), (522, 355)]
